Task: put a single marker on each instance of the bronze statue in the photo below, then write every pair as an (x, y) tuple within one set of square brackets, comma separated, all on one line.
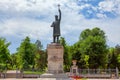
[(56, 27)]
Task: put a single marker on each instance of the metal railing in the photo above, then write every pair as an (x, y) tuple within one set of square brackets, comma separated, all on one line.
[(96, 73)]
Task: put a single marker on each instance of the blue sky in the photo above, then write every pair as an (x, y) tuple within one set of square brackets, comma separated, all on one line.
[(21, 18)]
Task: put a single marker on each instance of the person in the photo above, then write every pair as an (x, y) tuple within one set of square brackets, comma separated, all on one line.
[(56, 27)]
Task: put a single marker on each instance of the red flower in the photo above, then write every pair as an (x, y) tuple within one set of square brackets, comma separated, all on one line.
[(75, 77)]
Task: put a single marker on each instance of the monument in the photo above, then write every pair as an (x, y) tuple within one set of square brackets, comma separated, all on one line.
[(55, 50), (56, 27), (74, 68)]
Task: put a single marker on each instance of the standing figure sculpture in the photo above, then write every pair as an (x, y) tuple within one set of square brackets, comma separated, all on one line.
[(56, 27)]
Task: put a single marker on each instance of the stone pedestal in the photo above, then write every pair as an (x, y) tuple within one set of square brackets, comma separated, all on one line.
[(55, 58)]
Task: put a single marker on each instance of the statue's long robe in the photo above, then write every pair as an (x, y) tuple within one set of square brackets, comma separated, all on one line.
[(56, 28)]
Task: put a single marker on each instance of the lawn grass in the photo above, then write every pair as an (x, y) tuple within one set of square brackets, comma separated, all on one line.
[(33, 72)]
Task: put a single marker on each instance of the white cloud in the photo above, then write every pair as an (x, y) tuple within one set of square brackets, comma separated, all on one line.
[(24, 23), (100, 15), (107, 5), (110, 6), (25, 27), (112, 30), (30, 5)]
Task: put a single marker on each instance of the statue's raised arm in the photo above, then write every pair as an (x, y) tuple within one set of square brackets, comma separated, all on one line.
[(59, 14)]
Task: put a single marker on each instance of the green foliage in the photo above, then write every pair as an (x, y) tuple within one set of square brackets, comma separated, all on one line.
[(67, 55), (5, 58), (92, 46), (40, 57), (118, 58), (41, 60), (114, 57), (86, 59), (25, 54), (33, 72), (4, 52), (2, 67), (29, 56), (14, 60)]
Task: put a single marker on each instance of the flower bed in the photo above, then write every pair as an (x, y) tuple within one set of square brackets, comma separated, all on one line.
[(77, 78)]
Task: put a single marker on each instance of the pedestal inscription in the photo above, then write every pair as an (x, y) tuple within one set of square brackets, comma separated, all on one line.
[(55, 58)]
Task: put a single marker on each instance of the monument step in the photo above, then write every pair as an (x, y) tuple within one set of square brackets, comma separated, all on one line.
[(48, 75)]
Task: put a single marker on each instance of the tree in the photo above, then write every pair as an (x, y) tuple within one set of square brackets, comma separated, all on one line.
[(14, 60), (38, 44), (112, 59), (4, 53), (77, 54), (118, 60), (117, 49), (40, 56), (25, 57), (92, 46), (117, 56), (67, 55)]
